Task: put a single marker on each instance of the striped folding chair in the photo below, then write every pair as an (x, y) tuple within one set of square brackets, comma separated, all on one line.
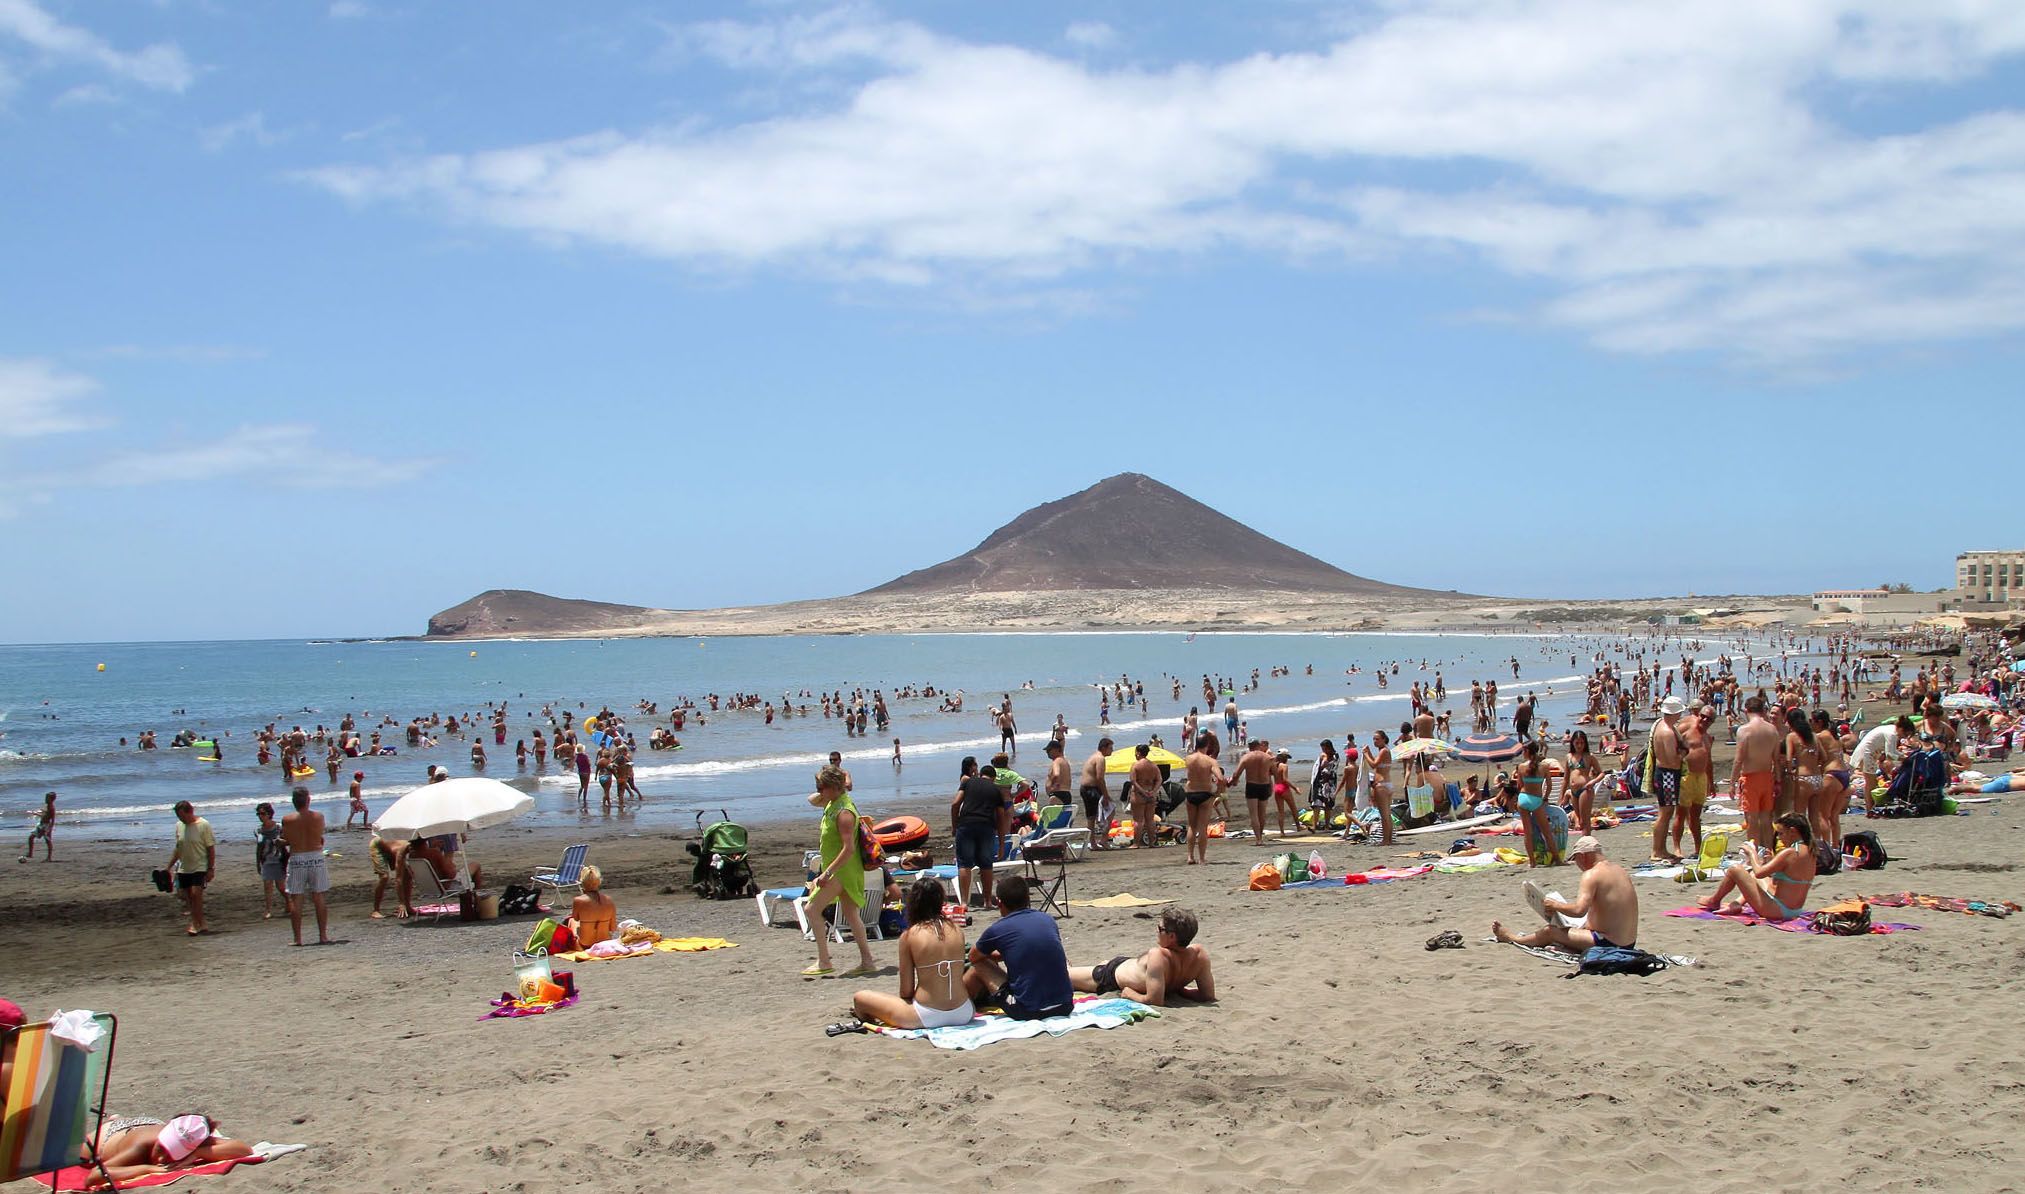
[(54, 1101)]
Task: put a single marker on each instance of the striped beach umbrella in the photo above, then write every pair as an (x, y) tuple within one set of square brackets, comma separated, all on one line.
[(1489, 748)]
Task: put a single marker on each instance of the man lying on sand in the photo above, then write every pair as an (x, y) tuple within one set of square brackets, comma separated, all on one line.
[(1606, 898), (1173, 967)]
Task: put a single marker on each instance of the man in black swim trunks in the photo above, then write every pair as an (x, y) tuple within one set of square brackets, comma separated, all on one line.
[(1256, 769), (1205, 781), (1173, 969), (1095, 794)]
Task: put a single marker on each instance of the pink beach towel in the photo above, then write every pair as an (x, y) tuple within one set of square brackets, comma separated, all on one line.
[(507, 1008), (77, 1177), (1799, 924)]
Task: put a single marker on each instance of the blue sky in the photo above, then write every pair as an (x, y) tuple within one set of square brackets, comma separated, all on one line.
[(318, 318)]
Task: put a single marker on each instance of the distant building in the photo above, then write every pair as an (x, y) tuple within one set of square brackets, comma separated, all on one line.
[(1877, 607), (1990, 579), (1846, 601)]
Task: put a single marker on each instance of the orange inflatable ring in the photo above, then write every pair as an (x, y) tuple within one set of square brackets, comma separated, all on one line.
[(900, 832)]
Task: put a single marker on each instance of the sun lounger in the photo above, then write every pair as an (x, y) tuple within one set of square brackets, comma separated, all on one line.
[(54, 1102)]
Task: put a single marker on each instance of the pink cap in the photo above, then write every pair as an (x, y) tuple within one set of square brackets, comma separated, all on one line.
[(181, 1135), (11, 1015)]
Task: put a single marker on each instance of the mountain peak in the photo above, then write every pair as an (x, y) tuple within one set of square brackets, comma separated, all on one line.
[(1130, 531)]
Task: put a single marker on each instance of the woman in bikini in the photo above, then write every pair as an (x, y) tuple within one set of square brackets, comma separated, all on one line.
[(1804, 752), (593, 915), (931, 968), (136, 1146), (1532, 777), (1825, 808), (1776, 887), (1582, 771), (1378, 762)]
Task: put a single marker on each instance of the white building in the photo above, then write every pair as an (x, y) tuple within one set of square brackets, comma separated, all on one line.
[(1990, 579)]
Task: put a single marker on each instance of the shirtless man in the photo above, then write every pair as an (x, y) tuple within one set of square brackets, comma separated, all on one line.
[(1754, 780), (359, 810), (307, 872), (1205, 781), (1668, 752), (1096, 794), (1059, 773), (1255, 767), (1008, 729), (1423, 723), (1697, 777), (1606, 898), (1145, 781), (1172, 969)]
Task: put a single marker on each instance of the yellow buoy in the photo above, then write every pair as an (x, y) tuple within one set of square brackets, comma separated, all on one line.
[(474, 655), (101, 667)]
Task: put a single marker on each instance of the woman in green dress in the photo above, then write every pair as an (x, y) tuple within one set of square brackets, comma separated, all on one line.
[(842, 880)]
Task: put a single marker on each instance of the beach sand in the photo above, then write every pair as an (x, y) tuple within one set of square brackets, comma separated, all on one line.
[(1343, 1052)]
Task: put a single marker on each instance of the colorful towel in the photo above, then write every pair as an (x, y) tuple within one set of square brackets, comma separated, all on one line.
[(77, 1177), (1799, 924), (1122, 900), (1377, 874), (507, 1008), (1469, 864), (1911, 899), (1092, 1011), (688, 945)]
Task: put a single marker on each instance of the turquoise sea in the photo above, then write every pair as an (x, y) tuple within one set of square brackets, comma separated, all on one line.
[(61, 718)]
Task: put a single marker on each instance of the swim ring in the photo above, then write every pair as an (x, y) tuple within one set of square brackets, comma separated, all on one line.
[(899, 832)]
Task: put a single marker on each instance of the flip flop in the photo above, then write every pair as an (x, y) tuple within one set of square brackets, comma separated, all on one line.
[(817, 972), (844, 1026), (860, 972)]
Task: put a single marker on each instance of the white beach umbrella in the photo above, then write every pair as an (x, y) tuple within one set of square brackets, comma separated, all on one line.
[(1967, 700), (453, 806)]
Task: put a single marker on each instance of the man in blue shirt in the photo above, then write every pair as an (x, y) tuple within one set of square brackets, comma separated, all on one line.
[(1018, 962)]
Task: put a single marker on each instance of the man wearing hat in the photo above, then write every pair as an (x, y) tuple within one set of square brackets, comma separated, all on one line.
[(1665, 755), (1606, 903)]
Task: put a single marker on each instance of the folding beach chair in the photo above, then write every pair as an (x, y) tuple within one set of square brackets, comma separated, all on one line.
[(54, 1102), (567, 875), (1709, 864), (875, 899), (423, 880)]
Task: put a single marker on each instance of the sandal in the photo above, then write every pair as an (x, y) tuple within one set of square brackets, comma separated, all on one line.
[(1446, 939), (844, 1026), (817, 971)]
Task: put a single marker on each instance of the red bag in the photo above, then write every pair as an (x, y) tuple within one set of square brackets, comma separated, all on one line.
[(563, 942)]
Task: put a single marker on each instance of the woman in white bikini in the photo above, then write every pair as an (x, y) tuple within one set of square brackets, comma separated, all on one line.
[(931, 968), (136, 1146)]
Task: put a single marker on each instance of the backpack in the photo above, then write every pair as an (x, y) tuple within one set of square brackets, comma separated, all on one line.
[(1866, 850), (1844, 918), (1265, 876), (1619, 959)]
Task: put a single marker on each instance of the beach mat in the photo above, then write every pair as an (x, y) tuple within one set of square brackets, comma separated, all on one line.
[(1123, 899), (1913, 899), (1091, 1012), (667, 945), (1803, 924), (1563, 958)]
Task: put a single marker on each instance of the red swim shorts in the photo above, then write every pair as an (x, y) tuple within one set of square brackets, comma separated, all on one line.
[(1756, 791)]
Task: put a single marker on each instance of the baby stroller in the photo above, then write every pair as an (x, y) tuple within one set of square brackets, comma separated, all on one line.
[(721, 871), (1917, 789)]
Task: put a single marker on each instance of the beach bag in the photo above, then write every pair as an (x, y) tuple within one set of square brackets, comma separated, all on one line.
[(1845, 918), (1293, 867), (1865, 851), (530, 974), (162, 880), (870, 852), (1619, 959), (542, 939), (1827, 859), (519, 900), (1265, 877), (1633, 778)]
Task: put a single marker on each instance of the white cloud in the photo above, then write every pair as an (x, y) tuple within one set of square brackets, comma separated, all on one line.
[(161, 67), (251, 127), (294, 455), (1674, 181), (1090, 35), (349, 10), (38, 397)]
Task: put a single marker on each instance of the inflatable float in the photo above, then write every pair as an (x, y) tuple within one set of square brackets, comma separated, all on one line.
[(899, 832), (301, 772)]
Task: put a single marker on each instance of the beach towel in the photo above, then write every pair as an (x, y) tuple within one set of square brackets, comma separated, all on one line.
[(1910, 899), (1564, 958), (1092, 1011), (508, 1008), (77, 1177), (1123, 899), (1799, 924), (1659, 870), (667, 945), (1467, 864)]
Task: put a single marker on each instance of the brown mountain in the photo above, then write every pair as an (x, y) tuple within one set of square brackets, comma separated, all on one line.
[(519, 611), (1131, 532)]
